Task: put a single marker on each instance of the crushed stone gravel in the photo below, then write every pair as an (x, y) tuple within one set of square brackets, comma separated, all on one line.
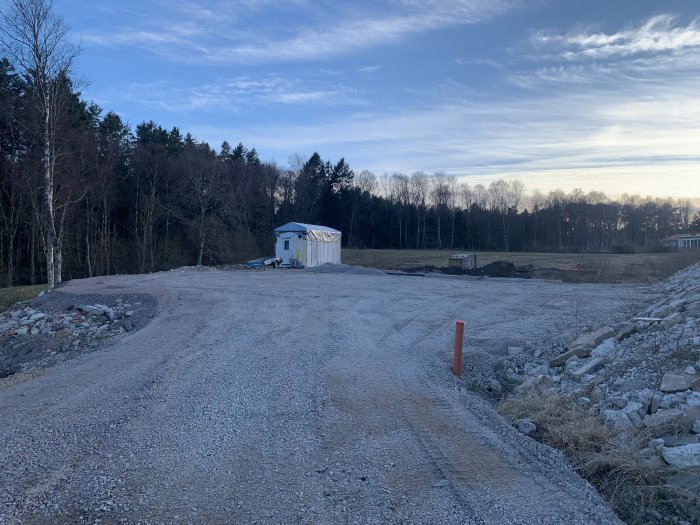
[(295, 397)]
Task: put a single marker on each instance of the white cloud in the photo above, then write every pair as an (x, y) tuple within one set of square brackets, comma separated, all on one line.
[(597, 139), (659, 34)]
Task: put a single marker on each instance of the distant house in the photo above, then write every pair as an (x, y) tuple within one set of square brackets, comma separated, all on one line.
[(682, 240), (306, 245)]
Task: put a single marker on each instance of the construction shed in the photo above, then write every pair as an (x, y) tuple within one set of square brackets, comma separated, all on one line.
[(302, 245)]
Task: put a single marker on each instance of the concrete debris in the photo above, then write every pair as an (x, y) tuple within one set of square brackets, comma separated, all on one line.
[(591, 366), (683, 457), (584, 345), (636, 374), (33, 338), (676, 382)]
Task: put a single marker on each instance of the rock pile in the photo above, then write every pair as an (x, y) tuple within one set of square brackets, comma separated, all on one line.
[(643, 374), (31, 335), (197, 268), (87, 320)]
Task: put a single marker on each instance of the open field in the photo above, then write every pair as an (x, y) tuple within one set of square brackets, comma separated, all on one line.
[(613, 268)]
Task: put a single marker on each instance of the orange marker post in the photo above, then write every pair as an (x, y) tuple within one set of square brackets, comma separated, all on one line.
[(459, 341)]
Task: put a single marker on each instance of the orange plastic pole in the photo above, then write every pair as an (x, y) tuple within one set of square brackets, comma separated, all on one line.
[(459, 341)]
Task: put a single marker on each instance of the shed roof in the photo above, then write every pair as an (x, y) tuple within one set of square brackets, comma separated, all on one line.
[(680, 236), (301, 227)]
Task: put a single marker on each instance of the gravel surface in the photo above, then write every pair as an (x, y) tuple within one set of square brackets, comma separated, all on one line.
[(295, 397)]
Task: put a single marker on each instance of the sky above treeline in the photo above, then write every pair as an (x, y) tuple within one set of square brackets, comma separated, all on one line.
[(598, 95)]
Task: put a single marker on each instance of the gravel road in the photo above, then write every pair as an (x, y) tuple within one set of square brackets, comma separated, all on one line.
[(295, 397)]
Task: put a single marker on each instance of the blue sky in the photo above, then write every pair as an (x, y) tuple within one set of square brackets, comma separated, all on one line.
[(557, 93)]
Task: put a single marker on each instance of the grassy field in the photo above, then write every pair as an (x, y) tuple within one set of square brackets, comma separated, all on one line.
[(9, 296), (613, 268)]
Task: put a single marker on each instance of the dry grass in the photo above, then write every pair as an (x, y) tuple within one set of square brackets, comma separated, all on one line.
[(638, 490), (614, 268), (9, 296), (560, 423)]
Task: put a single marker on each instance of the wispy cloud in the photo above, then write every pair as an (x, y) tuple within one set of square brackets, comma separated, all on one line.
[(595, 139), (659, 34), (232, 95), (219, 40)]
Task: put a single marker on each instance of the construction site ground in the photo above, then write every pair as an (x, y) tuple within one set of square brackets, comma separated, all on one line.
[(295, 397)]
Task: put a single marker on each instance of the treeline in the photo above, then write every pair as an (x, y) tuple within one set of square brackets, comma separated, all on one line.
[(82, 194)]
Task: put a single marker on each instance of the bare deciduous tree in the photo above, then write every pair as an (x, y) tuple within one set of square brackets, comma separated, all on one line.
[(36, 40)]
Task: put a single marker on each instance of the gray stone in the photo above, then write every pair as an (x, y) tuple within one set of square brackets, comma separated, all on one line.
[(690, 371), (676, 382), (618, 419), (604, 348), (618, 401), (636, 419), (590, 367), (37, 316), (525, 426), (696, 427), (22, 331), (672, 320), (92, 310), (596, 394), (583, 346), (632, 406), (687, 456), (677, 439), (626, 331), (663, 417)]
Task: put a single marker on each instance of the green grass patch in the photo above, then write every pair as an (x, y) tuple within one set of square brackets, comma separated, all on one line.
[(9, 296)]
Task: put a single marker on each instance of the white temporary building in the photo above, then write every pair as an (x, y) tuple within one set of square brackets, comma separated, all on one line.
[(306, 245)]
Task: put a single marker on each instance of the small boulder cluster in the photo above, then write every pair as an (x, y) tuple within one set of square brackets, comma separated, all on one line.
[(84, 319), (643, 374), (29, 334)]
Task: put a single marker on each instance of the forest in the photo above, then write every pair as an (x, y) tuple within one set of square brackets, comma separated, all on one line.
[(82, 194)]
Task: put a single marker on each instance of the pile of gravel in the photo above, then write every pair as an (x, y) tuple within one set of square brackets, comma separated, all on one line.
[(197, 268)]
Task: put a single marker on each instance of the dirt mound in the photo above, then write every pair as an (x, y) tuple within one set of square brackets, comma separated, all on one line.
[(494, 269)]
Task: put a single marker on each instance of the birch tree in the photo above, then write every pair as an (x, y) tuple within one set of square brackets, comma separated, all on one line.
[(36, 41)]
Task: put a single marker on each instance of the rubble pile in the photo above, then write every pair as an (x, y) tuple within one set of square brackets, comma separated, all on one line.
[(643, 374), (32, 334)]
